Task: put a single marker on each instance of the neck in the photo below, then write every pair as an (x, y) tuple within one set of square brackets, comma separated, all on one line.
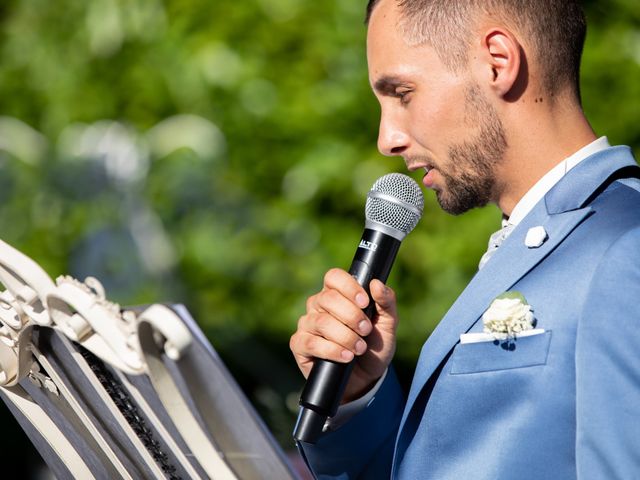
[(542, 135)]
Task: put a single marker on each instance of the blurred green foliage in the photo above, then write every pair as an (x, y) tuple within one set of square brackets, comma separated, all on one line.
[(218, 154)]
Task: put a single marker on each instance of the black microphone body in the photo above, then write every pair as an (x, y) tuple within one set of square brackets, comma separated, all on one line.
[(394, 207), (327, 380)]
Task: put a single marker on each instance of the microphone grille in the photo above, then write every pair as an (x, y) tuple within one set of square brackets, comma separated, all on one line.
[(395, 202)]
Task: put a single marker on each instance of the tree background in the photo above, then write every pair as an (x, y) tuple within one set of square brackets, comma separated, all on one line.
[(218, 154)]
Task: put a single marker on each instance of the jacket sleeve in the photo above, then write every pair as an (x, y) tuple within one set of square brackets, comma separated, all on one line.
[(363, 447), (608, 367)]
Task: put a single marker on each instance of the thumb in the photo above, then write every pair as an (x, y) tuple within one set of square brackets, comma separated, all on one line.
[(385, 299)]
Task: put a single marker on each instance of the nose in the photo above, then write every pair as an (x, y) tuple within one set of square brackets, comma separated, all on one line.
[(392, 137)]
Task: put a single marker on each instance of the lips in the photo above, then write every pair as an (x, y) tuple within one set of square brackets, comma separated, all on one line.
[(428, 179), (417, 166)]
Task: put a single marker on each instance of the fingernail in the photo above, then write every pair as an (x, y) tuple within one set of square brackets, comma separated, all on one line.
[(347, 355), (361, 347), (362, 300), (363, 326)]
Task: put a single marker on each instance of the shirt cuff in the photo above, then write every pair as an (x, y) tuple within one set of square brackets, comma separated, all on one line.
[(350, 409)]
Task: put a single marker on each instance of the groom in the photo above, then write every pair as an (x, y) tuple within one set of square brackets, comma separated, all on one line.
[(484, 97)]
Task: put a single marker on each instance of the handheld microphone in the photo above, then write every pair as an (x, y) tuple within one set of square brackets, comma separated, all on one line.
[(394, 207)]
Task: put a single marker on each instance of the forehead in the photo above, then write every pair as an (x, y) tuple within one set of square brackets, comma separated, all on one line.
[(388, 54), (383, 33)]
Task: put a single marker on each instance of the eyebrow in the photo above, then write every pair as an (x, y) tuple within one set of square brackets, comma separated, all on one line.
[(387, 84)]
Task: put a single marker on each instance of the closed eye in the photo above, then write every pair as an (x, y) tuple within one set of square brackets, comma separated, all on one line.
[(391, 86), (404, 94)]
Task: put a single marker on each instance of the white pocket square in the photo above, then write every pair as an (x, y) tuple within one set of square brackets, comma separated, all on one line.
[(489, 337)]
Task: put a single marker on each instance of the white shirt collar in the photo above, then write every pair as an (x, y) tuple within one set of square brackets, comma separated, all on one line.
[(553, 176)]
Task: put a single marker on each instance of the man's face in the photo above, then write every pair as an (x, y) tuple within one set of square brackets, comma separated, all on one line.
[(435, 119)]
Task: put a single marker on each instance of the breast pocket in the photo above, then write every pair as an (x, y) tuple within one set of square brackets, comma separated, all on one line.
[(490, 356)]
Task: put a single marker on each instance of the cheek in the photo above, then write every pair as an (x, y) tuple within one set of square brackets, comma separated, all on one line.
[(437, 121)]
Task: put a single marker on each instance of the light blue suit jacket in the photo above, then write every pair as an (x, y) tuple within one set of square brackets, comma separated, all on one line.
[(561, 405)]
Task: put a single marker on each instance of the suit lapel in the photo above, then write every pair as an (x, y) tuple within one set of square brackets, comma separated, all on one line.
[(509, 264), (562, 210)]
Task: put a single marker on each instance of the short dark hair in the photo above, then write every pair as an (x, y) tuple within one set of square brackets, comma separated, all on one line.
[(554, 29)]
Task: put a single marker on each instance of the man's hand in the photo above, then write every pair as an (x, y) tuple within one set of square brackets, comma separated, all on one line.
[(335, 328)]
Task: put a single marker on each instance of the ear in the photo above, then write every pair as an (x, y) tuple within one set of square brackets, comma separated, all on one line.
[(504, 60)]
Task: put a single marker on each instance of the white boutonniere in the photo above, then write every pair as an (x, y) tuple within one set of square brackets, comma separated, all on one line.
[(507, 316)]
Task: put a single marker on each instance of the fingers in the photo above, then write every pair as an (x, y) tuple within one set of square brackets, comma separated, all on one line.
[(331, 329), (334, 324), (306, 346), (342, 298), (338, 307), (343, 282)]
